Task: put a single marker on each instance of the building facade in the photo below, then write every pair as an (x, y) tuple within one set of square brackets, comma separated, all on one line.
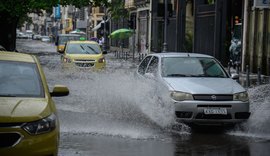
[(147, 19), (256, 36), (96, 17)]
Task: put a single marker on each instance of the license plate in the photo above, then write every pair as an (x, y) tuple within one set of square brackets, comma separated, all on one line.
[(222, 111)]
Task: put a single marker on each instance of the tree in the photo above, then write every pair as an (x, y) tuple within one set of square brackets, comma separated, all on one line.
[(13, 11)]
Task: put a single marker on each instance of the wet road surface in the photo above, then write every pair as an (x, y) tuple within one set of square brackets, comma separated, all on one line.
[(114, 113)]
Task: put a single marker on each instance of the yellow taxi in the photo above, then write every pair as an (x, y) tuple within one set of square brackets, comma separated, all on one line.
[(84, 54), (62, 39), (28, 118)]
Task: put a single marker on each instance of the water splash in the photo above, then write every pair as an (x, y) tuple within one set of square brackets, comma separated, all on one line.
[(258, 125), (112, 102)]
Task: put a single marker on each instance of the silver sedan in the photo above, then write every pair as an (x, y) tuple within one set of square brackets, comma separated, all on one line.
[(200, 88)]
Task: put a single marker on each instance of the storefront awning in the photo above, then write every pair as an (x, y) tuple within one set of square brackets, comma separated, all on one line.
[(99, 25)]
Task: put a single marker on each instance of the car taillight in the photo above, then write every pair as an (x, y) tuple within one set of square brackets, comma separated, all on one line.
[(101, 60)]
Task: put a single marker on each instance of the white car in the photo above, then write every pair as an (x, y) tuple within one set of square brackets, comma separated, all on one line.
[(202, 92), (45, 39)]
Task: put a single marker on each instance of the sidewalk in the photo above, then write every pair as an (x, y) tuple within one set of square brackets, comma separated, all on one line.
[(253, 78)]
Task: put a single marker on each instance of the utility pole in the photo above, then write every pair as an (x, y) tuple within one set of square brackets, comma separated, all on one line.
[(104, 46), (165, 26)]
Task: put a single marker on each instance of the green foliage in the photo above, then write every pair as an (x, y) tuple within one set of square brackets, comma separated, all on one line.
[(20, 8), (211, 1), (188, 41), (116, 9)]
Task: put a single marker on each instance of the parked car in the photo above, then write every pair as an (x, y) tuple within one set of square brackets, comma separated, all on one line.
[(21, 35), (37, 37), (45, 39), (83, 54), (28, 118), (201, 90), (29, 34)]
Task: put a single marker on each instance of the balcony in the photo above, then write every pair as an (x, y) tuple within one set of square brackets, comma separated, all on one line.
[(129, 4), (141, 2)]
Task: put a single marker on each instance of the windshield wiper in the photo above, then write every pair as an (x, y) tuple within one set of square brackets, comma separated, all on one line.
[(92, 49), (176, 75), (84, 49)]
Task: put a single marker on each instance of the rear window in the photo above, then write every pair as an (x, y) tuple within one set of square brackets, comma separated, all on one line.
[(63, 39), (18, 79)]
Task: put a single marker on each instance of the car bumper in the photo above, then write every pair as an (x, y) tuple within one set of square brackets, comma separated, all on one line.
[(194, 112), (92, 66), (42, 144)]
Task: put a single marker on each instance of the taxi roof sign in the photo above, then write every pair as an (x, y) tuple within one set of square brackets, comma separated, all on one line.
[(82, 38)]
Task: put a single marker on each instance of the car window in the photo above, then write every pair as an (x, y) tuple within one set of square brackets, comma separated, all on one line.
[(64, 39), (153, 65), (191, 67), (181, 66), (20, 80), (143, 65), (83, 48), (212, 68)]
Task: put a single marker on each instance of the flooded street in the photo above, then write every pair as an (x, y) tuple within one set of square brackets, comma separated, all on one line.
[(113, 112)]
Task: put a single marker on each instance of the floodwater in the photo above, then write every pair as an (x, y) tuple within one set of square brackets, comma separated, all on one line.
[(114, 112)]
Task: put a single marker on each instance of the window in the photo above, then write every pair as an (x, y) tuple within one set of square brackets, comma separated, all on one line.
[(20, 80), (191, 67), (153, 66), (143, 65)]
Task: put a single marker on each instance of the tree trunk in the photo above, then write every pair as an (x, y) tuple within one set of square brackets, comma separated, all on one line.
[(8, 27)]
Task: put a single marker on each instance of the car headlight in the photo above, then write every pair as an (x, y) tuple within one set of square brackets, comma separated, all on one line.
[(243, 96), (101, 60), (67, 60), (45, 125), (181, 96)]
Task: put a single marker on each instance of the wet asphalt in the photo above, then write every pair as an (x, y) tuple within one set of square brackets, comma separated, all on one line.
[(111, 114)]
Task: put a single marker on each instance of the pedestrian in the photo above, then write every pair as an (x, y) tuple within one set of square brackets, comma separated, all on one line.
[(101, 41)]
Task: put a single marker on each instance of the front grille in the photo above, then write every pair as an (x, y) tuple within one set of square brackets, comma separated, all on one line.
[(84, 64), (212, 97), (10, 124), (213, 116), (81, 60), (218, 106), (9, 139)]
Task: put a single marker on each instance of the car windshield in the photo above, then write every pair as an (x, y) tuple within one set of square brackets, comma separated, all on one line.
[(83, 48), (18, 79), (191, 67)]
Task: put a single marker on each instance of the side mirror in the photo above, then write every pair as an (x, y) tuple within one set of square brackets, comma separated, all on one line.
[(235, 76), (59, 90), (104, 52)]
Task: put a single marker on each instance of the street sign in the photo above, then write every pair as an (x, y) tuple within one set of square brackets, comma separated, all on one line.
[(261, 4), (57, 12)]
